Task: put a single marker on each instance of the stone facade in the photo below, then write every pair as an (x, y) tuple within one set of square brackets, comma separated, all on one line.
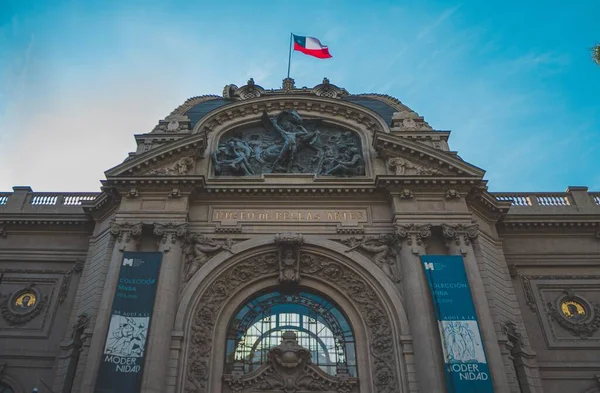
[(318, 189)]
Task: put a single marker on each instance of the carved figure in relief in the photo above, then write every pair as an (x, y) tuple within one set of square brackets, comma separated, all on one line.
[(401, 166), (180, 167), (288, 144), (349, 167), (234, 154), (381, 248), (198, 250), (288, 253)]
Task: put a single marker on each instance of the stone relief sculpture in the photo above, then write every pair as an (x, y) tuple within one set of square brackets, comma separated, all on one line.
[(289, 144), (288, 255), (289, 369), (401, 166), (381, 250), (198, 249), (179, 168)]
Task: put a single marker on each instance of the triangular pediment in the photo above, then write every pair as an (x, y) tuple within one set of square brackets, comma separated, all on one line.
[(407, 158), (176, 158)]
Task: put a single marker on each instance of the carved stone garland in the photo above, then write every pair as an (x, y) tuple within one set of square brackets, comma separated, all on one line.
[(346, 280)]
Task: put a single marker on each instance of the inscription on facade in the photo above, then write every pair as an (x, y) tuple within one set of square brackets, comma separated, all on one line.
[(233, 216)]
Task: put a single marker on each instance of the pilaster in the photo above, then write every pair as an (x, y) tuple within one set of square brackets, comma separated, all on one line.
[(127, 238), (423, 326), (169, 239), (459, 239)]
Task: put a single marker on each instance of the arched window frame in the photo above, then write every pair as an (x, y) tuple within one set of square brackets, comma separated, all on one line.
[(272, 304)]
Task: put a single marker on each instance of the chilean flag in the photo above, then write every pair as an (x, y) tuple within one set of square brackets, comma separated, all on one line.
[(311, 46)]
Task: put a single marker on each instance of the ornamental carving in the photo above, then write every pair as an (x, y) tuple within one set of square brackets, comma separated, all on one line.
[(347, 281), (288, 256), (408, 120), (413, 231), (169, 232), (287, 143), (454, 233), (66, 282), (21, 307), (289, 369), (329, 90), (381, 250), (578, 316), (198, 249), (124, 231), (402, 167), (180, 168), (528, 289)]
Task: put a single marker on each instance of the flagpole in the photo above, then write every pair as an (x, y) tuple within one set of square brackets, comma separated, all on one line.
[(290, 55)]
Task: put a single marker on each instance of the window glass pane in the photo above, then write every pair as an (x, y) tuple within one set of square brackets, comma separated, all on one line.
[(319, 325)]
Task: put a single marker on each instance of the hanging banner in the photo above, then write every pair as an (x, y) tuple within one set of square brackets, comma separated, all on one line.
[(464, 356), (122, 361)]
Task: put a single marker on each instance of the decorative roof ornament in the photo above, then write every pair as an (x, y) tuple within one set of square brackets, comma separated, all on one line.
[(288, 85), (172, 124), (326, 89), (409, 121), (246, 92)]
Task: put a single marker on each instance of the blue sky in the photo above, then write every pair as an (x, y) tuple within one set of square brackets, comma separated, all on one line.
[(512, 80)]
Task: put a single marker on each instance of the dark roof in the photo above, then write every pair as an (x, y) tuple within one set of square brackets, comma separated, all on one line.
[(381, 108), (200, 110)]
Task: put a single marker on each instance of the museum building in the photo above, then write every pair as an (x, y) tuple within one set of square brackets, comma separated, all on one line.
[(298, 240)]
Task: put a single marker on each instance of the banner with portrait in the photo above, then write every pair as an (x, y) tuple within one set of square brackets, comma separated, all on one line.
[(122, 361), (466, 366)]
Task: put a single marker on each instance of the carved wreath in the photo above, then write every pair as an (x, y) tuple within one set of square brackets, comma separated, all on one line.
[(18, 318), (377, 321), (583, 329)]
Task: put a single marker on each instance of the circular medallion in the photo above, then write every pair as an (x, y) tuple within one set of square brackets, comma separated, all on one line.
[(25, 300), (573, 310)]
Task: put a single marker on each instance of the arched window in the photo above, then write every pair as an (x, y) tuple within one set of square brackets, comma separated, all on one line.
[(319, 324), (5, 388)]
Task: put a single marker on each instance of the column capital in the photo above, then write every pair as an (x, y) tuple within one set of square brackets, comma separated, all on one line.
[(457, 232), (413, 232), (125, 231), (168, 233)]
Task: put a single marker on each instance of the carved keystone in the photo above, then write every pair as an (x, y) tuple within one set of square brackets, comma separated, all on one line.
[(288, 256)]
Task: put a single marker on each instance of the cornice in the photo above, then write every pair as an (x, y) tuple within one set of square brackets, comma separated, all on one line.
[(307, 105), (392, 145), (192, 145)]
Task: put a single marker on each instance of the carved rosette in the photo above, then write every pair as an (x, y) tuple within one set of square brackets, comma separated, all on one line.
[(288, 256), (413, 233), (457, 232), (125, 232), (169, 233), (369, 305)]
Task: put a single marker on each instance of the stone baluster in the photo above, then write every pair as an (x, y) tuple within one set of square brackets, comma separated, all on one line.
[(423, 325), (458, 240), (127, 238), (169, 238)]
